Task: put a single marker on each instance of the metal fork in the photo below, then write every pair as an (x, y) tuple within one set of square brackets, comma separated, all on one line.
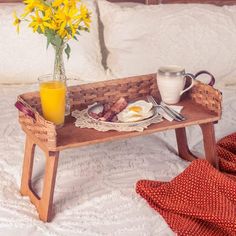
[(180, 116), (166, 109)]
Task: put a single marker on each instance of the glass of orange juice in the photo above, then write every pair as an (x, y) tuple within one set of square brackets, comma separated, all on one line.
[(53, 98)]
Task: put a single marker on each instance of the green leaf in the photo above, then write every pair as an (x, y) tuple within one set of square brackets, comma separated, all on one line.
[(68, 29), (46, 3), (57, 41), (67, 50), (39, 30), (50, 36), (75, 38)]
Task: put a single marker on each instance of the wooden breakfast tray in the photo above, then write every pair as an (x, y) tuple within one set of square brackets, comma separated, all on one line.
[(202, 106)]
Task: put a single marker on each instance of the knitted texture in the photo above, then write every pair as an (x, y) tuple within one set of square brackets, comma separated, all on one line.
[(201, 200), (226, 150)]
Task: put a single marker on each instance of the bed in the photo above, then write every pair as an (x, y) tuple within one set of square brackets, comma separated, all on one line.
[(94, 195)]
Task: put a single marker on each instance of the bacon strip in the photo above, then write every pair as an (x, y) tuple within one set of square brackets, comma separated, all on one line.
[(108, 116), (116, 108), (119, 105)]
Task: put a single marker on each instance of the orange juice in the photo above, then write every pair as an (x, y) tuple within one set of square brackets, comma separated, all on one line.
[(53, 95)]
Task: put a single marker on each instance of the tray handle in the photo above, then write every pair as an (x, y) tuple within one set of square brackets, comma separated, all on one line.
[(212, 81), (21, 107)]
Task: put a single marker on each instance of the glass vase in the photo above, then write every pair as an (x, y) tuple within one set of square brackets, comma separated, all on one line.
[(59, 73)]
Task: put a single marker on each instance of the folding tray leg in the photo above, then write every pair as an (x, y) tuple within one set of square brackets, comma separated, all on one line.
[(27, 166), (182, 143), (45, 203), (210, 143)]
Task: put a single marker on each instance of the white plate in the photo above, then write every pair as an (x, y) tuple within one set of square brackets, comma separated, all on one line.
[(97, 108)]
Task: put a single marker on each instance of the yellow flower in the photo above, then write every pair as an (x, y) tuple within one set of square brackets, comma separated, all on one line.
[(16, 22), (55, 18), (66, 18), (57, 3), (31, 5), (40, 22), (64, 34), (72, 3), (85, 15)]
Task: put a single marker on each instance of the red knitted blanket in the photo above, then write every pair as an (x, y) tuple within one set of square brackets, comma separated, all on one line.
[(201, 201)]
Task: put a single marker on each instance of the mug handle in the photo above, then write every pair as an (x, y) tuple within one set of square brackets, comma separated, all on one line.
[(191, 85)]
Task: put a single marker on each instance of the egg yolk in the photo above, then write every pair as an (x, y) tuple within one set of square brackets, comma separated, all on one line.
[(135, 109)]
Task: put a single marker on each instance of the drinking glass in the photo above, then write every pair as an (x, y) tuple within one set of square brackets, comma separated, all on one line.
[(53, 97)]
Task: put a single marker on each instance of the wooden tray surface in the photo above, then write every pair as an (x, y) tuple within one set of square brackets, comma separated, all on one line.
[(69, 136)]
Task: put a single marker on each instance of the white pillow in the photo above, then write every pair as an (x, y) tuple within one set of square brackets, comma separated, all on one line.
[(24, 57), (198, 37)]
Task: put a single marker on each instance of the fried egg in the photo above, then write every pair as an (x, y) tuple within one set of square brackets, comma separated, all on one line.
[(136, 111)]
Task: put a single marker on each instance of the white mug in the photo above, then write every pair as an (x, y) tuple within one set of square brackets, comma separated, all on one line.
[(171, 82)]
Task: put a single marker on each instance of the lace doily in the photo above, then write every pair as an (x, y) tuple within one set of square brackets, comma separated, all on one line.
[(84, 121)]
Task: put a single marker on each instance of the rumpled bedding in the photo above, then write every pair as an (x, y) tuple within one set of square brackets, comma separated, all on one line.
[(95, 186)]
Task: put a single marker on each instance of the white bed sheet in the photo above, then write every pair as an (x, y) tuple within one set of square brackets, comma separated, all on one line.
[(95, 187)]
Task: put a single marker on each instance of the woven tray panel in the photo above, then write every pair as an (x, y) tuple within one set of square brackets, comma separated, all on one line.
[(42, 129), (207, 96), (110, 91)]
